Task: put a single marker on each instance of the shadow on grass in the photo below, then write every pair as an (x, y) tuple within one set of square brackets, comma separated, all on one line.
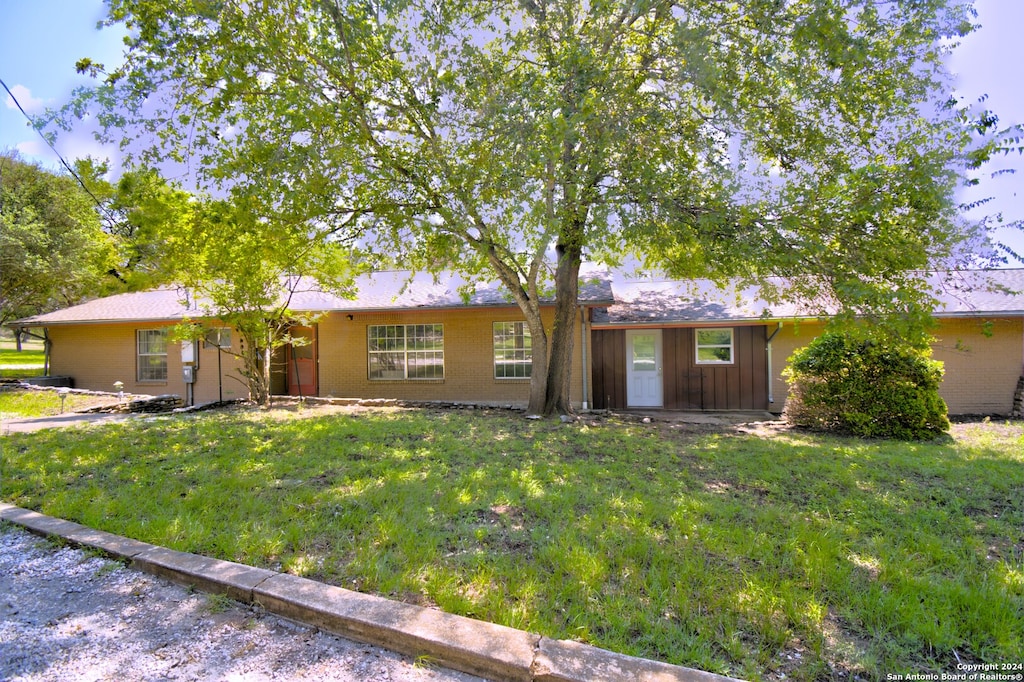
[(801, 555)]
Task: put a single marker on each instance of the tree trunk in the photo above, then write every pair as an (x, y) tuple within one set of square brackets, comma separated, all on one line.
[(265, 376), (539, 349), (559, 371)]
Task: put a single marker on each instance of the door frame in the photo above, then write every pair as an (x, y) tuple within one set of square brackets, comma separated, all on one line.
[(293, 385), (631, 334)]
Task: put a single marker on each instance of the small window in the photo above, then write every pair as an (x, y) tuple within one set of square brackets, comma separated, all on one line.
[(714, 346), (218, 338), (151, 347), (405, 351), (513, 351)]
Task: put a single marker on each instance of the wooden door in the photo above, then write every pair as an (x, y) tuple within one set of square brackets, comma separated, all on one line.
[(301, 362)]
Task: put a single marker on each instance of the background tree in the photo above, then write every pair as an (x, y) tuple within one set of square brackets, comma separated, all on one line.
[(514, 138), (53, 251), (137, 211)]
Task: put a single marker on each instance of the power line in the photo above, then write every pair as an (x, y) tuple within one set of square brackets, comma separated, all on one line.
[(65, 163)]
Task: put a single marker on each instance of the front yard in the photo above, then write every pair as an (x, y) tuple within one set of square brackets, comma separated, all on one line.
[(759, 555)]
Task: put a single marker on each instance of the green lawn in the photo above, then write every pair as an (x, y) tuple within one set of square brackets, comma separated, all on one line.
[(17, 365), (754, 555), (41, 403)]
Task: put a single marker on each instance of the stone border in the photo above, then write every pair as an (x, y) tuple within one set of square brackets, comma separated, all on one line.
[(492, 651)]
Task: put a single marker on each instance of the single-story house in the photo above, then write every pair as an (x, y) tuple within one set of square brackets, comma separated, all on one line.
[(639, 343)]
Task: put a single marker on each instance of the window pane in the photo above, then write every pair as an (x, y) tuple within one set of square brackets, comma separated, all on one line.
[(644, 359), (425, 337), (714, 345), (386, 337), (713, 337), (714, 354), (387, 365), (152, 341), (152, 354), (426, 365), (218, 338), (413, 351), (513, 358)]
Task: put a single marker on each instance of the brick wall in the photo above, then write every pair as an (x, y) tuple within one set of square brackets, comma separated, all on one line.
[(97, 355), (468, 357), (981, 371)]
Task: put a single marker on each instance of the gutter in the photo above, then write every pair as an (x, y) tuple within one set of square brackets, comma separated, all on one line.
[(768, 348), (583, 347)]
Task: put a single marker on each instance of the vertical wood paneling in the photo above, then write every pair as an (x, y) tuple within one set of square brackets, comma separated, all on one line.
[(609, 347), (687, 385)]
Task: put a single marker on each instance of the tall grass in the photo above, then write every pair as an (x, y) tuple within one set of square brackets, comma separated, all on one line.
[(749, 555)]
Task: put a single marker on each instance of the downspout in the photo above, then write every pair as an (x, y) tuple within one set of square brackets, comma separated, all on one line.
[(771, 382), (47, 346), (583, 350)]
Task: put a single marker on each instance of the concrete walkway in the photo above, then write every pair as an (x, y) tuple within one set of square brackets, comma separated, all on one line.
[(29, 424), (491, 651)]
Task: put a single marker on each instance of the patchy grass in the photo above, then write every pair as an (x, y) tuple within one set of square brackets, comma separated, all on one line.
[(755, 555), (28, 363)]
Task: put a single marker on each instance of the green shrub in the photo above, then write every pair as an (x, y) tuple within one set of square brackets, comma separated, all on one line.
[(865, 388)]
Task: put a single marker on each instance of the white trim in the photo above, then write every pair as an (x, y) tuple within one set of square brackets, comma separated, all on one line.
[(697, 346), (512, 361), (139, 355), (405, 352)]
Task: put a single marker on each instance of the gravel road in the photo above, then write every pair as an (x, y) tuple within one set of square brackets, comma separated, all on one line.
[(69, 615)]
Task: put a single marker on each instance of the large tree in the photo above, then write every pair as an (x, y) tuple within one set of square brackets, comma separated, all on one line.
[(53, 252), (245, 270), (515, 138)]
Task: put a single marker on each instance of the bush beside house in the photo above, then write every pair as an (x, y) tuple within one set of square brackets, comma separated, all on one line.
[(865, 388)]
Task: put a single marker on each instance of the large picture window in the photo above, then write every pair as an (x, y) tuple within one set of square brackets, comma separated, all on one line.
[(151, 345), (714, 346), (406, 351), (513, 350)]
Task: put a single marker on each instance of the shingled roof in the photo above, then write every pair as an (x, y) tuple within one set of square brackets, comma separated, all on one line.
[(393, 290), (648, 301), (616, 299)]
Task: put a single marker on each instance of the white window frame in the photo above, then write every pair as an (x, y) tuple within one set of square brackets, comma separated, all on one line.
[(402, 349), (147, 353), (519, 356), (698, 346), (215, 338)]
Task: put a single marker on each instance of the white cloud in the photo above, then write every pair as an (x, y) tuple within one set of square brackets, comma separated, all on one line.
[(33, 148), (24, 96)]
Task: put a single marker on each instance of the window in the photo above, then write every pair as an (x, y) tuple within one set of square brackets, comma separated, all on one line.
[(152, 354), (406, 351), (513, 351), (218, 338), (714, 346)]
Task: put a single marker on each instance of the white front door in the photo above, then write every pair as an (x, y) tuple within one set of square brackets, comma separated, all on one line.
[(643, 368)]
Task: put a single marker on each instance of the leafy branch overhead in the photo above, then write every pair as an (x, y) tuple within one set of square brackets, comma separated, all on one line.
[(514, 139)]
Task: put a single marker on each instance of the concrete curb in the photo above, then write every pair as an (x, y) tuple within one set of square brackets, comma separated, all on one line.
[(492, 651)]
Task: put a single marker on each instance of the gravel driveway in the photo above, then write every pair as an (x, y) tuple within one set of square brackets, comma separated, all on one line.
[(68, 615)]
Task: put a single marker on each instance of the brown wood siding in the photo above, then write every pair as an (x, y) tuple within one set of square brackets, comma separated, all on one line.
[(609, 368), (742, 385)]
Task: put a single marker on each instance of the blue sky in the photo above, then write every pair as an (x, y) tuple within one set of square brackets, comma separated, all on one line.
[(40, 41)]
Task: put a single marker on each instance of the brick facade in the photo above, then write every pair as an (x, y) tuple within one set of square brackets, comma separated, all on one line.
[(982, 370), (97, 355), (468, 357)]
